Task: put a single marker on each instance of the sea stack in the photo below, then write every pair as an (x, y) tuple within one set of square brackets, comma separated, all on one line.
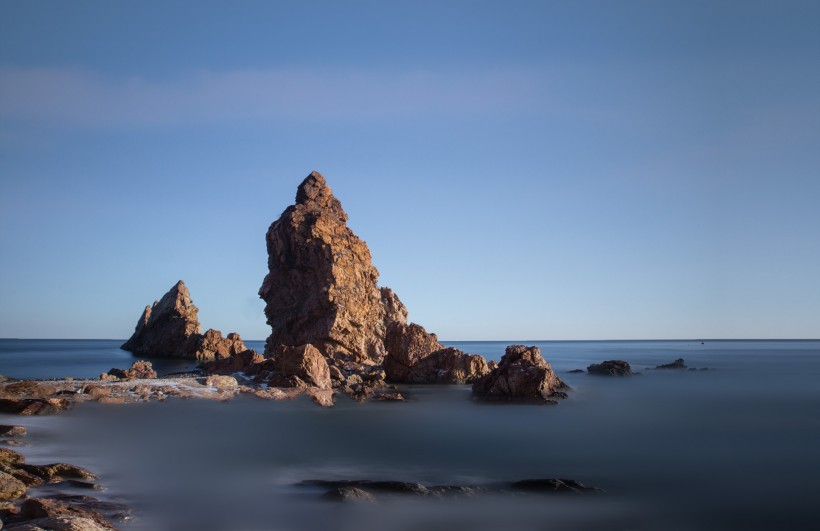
[(321, 288), (170, 329)]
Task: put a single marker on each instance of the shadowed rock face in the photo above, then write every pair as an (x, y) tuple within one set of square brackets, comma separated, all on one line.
[(321, 288), (170, 329), (522, 375)]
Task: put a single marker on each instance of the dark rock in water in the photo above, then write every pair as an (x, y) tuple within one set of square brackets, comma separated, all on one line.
[(522, 375), (59, 471), (36, 406), (77, 484), (610, 368), (34, 508), (321, 286), (415, 356), (170, 329), (348, 494), (677, 364), (553, 485), (352, 490), (576, 371), (12, 431)]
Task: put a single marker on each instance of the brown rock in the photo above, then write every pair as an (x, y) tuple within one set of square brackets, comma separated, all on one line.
[(245, 361), (59, 523), (30, 389), (58, 471), (28, 479), (170, 328), (323, 397), (302, 366), (321, 285), (13, 431), (394, 309), (610, 368), (415, 356), (406, 346), (222, 383), (49, 508), (213, 346), (38, 406), (523, 375), (10, 487), (10, 456)]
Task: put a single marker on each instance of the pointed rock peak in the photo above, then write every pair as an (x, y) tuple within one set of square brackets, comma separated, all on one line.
[(314, 192)]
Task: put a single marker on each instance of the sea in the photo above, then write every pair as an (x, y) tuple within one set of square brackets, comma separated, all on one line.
[(733, 447)]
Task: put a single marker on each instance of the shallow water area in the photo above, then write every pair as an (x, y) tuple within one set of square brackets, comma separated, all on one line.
[(730, 448)]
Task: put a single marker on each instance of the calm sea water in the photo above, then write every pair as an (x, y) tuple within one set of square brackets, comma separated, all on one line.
[(731, 448)]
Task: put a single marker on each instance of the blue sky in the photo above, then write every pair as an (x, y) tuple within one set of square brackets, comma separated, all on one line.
[(520, 170)]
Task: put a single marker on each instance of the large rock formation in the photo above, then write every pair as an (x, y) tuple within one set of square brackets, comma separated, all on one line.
[(321, 290), (321, 286), (522, 375), (170, 329)]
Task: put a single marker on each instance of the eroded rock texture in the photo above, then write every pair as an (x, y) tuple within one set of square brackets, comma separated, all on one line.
[(170, 329), (522, 375), (321, 286)]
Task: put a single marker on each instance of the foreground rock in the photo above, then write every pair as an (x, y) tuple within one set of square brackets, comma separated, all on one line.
[(170, 328), (368, 490), (610, 368), (522, 375)]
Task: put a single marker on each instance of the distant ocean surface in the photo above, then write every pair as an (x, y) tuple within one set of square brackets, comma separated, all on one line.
[(735, 447)]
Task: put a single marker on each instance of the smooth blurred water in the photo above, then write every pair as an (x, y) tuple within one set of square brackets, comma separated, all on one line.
[(731, 448)]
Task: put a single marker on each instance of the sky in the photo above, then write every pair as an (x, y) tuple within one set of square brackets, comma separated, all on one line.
[(520, 170)]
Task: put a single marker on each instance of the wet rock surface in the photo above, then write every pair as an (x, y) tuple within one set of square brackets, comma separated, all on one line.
[(370, 490), (522, 375), (610, 368), (677, 364)]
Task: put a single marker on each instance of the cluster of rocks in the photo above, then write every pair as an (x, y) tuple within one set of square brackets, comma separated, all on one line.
[(333, 328), (370, 490), (23, 508), (170, 329)]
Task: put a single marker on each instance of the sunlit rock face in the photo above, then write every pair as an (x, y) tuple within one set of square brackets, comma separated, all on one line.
[(321, 288)]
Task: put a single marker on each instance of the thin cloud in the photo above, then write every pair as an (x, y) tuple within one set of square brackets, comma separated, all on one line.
[(71, 97)]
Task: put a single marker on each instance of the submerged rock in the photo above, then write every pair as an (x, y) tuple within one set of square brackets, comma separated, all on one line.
[(522, 375), (13, 431), (610, 368), (677, 364)]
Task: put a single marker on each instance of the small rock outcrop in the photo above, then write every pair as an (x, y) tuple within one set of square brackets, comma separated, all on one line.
[(610, 368), (522, 375), (677, 364), (415, 356), (170, 329), (302, 366)]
